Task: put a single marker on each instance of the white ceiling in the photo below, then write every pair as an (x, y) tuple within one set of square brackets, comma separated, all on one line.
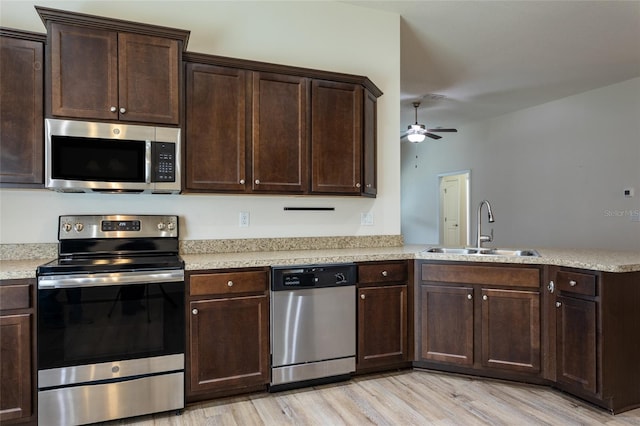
[(493, 57)]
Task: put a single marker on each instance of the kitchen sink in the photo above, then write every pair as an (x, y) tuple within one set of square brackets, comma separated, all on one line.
[(516, 253), (447, 250), (483, 251)]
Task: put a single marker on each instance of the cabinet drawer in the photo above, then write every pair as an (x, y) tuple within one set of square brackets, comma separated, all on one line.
[(228, 283), (382, 272), (575, 282), (14, 296)]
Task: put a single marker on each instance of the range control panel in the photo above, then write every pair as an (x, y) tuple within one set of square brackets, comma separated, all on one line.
[(285, 278), (117, 226)]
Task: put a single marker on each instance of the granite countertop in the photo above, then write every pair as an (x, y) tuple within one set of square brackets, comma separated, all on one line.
[(599, 260)]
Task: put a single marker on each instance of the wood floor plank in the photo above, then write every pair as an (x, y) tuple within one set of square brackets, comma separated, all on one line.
[(399, 398)]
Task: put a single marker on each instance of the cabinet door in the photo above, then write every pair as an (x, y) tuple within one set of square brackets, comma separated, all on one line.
[(15, 366), (576, 343), (279, 133), (148, 79), (215, 128), (84, 72), (336, 137), (21, 111), (382, 325), (446, 324), (511, 330), (229, 345), (370, 145)]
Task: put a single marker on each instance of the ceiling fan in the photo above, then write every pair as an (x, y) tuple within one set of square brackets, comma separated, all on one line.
[(417, 132)]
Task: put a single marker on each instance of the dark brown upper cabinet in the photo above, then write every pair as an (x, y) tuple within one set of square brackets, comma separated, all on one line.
[(279, 133), (106, 69), (21, 108), (336, 137), (253, 127), (216, 100)]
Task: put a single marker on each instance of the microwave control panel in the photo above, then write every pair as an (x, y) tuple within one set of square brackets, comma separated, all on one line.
[(164, 162)]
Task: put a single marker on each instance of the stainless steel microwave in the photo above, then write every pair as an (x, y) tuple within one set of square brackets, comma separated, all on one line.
[(82, 156)]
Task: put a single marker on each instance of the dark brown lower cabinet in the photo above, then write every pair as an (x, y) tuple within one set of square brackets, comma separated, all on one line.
[(17, 358), (446, 322), (596, 331), (228, 337), (511, 330), (384, 306), (382, 326), (576, 343), (479, 319)]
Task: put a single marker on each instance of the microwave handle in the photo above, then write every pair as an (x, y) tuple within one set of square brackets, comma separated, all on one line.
[(148, 162)]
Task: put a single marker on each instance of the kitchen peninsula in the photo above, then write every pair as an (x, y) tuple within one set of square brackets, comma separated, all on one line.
[(603, 308)]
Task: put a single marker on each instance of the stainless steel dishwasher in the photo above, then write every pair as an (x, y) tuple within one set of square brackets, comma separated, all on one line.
[(313, 324)]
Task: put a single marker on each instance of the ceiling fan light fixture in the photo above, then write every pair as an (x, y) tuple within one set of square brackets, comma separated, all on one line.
[(415, 137)]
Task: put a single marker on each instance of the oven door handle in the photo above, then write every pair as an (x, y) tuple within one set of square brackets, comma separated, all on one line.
[(106, 279)]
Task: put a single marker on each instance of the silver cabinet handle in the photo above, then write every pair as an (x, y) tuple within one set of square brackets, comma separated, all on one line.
[(369, 185), (230, 283), (257, 181), (123, 110), (358, 185), (572, 283), (469, 296), (362, 296), (551, 287), (241, 181), (194, 312), (558, 304), (113, 109), (485, 297), (385, 273)]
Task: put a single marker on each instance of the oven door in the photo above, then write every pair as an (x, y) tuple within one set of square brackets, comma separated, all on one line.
[(90, 320)]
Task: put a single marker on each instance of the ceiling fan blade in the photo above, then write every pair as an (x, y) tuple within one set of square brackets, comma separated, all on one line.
[(432, 136), (439, 129)]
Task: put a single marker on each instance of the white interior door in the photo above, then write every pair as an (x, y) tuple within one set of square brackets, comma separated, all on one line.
[(450, 218)]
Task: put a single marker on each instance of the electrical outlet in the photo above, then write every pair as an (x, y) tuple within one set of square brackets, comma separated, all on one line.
[(243, 220), (366, 219)]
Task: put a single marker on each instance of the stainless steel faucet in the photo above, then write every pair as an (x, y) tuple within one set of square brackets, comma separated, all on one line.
[(479, 237)]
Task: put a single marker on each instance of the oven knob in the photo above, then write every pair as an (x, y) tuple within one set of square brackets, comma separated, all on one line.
[(66, 227), (171, 226), (161, 226), (79, 227)]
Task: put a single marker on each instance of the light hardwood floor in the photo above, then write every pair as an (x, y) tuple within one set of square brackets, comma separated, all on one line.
[(399, 398)]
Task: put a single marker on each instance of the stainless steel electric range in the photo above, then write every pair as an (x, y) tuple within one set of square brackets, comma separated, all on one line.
[(111, 321)]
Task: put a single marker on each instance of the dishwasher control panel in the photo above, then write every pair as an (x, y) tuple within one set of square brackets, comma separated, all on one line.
[(312, 276)]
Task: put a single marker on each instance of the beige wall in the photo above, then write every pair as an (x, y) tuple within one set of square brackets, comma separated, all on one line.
[(323, 35)]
